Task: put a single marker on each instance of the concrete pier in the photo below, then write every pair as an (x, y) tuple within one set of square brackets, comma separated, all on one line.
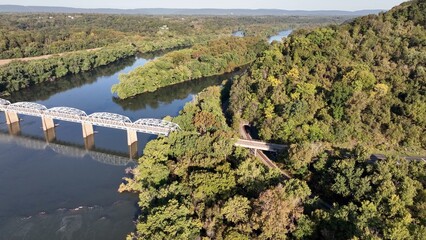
[(87, 129), (11, 117), (132, 137), (133, 150), (47, 123), (14, 128), (89, 142), (50, 135)]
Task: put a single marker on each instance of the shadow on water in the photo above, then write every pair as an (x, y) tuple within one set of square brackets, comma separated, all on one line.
[(170, 93)]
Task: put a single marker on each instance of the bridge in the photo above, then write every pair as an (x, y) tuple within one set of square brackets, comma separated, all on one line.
[(258, 145), (103, 119)]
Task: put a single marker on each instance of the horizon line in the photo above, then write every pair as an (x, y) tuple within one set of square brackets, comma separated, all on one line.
[(252, 9)]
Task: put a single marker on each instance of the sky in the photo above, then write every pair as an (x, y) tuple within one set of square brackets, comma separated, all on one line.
[(348, 5)]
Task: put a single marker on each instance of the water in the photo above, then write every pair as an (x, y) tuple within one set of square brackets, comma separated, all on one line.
[(280, 36), (238, 34), (59, 190)]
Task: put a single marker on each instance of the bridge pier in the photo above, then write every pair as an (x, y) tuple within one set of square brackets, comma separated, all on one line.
[(11, 117), (47, 123), (132, 137), (50, 135), (89, 142), (87, 129), (14, 128), (133, 150)]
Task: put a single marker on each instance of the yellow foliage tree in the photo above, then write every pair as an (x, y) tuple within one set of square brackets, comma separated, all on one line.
[(274, 81), (293, 74)]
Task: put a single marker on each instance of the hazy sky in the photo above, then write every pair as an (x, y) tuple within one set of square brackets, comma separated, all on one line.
[(251, 4)]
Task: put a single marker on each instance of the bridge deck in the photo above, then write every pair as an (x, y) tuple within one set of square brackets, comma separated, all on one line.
[(260, 145), (104, 119)]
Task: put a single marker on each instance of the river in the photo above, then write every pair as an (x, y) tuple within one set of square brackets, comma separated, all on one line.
[(59, 190), (280, 36)]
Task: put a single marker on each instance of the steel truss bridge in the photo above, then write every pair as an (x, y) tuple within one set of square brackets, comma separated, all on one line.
[(103, 119)]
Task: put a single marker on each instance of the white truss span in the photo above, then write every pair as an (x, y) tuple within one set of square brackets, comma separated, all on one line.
[(27, 108), (4, 102), (104, 119), (66, 114), (157, 122), (110, 120)]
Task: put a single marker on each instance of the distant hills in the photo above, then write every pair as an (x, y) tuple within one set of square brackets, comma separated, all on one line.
[(170, 11)]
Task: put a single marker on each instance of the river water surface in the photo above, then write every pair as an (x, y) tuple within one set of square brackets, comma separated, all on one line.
[(60, 190), (280, 36)]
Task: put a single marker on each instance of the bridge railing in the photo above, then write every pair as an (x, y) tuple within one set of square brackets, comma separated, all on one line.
[(64, 117), (103, 119), (66, 114), (149, 129)]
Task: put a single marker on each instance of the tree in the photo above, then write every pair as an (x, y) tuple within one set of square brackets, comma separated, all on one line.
[(172, 220), (237, 209), (280, 207)]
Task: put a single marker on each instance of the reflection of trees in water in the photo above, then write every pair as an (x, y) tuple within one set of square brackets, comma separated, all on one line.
[(44, 90), (173, 92)]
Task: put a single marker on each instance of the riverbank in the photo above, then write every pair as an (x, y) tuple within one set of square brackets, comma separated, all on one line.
[(19, 75), (215, 57)]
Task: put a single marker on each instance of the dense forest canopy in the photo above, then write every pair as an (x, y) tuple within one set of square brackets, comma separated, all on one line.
[(202, 60), (194, 183), (335, 94), (363, 82), (19, 75), (25, 35), (29, 35)]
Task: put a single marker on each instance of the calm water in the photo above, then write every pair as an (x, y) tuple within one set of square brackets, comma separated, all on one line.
[(280, 36), (59, 190), (238, 34)]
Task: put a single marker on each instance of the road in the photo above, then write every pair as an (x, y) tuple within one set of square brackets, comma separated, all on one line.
[(248, 140), (7, 61), (271, 164)]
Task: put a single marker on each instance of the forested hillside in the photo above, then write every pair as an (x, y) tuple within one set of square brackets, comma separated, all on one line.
[(363, 82), (336, 95), (195, 184)]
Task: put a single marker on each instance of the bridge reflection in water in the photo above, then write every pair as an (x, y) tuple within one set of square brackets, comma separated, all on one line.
[(68, 114), (65, 148)]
